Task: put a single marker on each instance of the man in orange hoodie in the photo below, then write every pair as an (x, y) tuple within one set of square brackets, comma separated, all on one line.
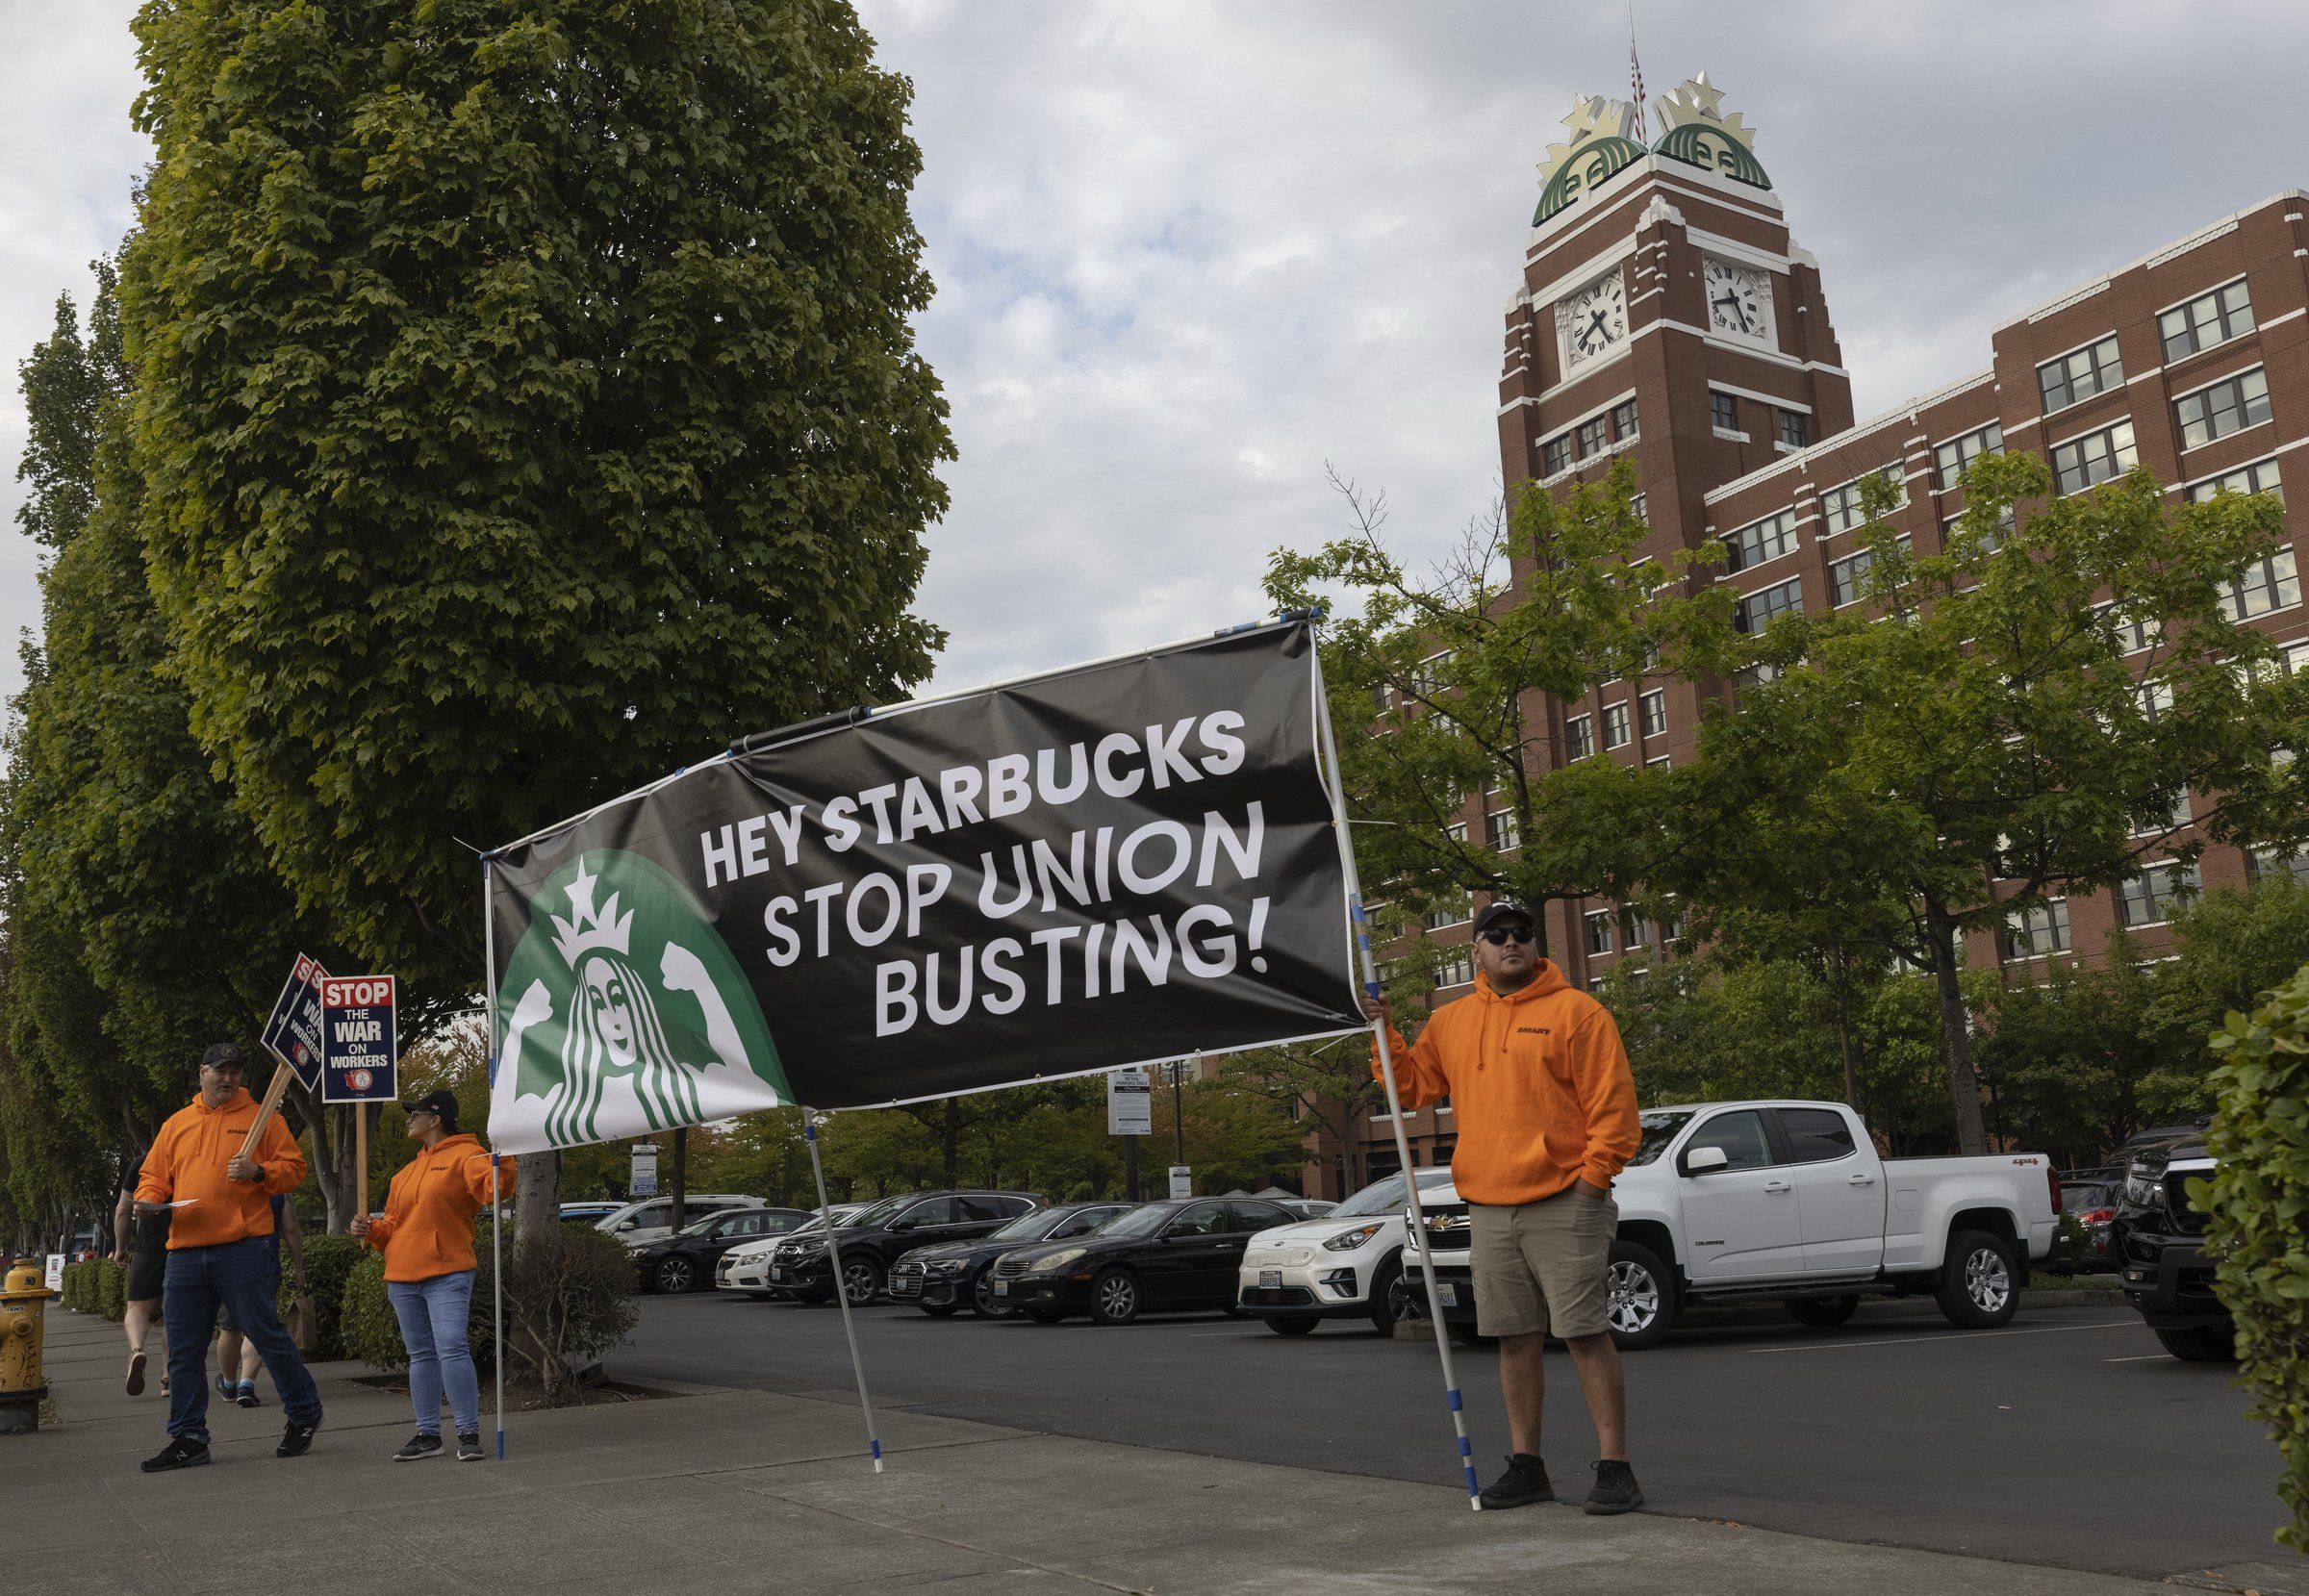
[(1545, 1108), (221, 1252), (427, 1238)]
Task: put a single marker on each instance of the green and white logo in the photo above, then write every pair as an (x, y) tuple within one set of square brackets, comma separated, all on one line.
[(624, 1012)]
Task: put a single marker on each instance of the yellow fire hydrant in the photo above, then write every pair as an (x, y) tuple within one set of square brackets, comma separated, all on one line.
[(21, 1389)]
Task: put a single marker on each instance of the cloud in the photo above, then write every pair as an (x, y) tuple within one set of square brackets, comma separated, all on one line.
[(1186, 254)]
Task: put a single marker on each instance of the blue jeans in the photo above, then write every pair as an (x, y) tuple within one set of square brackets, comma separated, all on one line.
[(238, 1275), (434, 1315)]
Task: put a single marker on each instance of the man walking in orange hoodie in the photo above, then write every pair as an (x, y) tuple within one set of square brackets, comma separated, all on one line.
[(426, 1235), (1545, 1108), (221, 1252)]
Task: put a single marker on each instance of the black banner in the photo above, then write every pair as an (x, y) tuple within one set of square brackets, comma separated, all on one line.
[(1115, 865)]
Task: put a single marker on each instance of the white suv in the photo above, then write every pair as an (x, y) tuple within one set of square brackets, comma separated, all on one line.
[(1342, 1266), (638, 1223), (746, 1267)]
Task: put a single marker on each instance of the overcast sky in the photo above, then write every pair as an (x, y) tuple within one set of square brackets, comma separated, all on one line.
[(1186, 254)]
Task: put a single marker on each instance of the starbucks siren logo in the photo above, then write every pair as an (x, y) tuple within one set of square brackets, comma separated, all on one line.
[(626, 1012)]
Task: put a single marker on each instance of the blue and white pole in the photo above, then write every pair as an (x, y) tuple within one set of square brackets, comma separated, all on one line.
[(833, 1264)]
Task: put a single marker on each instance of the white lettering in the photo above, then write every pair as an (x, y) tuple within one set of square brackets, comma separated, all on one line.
[(875, 936), (894, 991), (914, 811), (990, 878), (1213, 958), (925, 884), (787, 824), (1163, 758), (1007, 789), (1182, 850), (751, 835), (947, 1014), (960, 787), (785, 946), (1045, 765), (878, 799), (1048, 940), (1218, 834), (841, 823), (1154, 962), (1226, 752), (721, 850), (993, 963), (824, 898), (1111, 781)]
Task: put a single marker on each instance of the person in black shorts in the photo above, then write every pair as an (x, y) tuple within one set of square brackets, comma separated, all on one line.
[(141, 1241)]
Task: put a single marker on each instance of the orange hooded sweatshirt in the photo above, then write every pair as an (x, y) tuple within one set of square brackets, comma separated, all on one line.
[(1539, 1088), (427, 1228), (187, 1164)]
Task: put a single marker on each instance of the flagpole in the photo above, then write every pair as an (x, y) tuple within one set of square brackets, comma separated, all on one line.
[(833, 1264), (496, 1194), (1330, 750)]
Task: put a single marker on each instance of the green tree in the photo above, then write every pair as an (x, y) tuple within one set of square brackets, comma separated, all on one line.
[(1983, 747), (1448, 673), (2071, 1061), (527, 404), (2231, 948)]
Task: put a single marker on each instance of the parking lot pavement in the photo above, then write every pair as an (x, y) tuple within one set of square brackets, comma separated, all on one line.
[(2067, 1440)]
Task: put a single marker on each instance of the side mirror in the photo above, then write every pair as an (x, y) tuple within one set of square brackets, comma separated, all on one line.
[(629, 1224), (1700, 1161)]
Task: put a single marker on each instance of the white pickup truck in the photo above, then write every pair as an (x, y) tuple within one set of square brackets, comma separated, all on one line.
[(1725, 1201)]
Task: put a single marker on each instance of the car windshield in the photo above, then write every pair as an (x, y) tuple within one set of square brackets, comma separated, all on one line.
[(2077, 1199), (887, 1208), (699, 1226), (1139, 1222), (1387, 1197), (1031, 1226), (1659, 1126)]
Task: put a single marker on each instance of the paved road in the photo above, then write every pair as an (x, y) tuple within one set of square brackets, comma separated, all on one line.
[(2065, 1439)]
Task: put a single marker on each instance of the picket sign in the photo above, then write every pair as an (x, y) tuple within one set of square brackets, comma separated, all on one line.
[(267, 1106)]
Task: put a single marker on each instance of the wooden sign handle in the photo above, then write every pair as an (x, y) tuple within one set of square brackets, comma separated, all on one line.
[(361, 1157), (265, 1109)]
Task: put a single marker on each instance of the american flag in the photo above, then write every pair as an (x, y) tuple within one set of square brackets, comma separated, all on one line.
[(1636, 79)]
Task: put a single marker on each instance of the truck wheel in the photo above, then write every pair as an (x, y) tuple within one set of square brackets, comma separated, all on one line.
[(1823, 1312), (1639, 1296), (1977, 1290), (2201, 1343)]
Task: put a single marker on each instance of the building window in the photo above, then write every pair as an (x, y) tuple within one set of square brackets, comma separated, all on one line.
[(1990, 543), (1591, 437), (1427, 677), (1555, 456), (2148, 899), (1955, 455), (2033, 933), (1639, 508), (2156, 699), (2261, 864), (1615, 725), (1458, 969), (2158, 819), (2259, 477), (2078, 376), (1383, 696), (1456, 909), (2095, 457), (1723, 411), (1455, 832), (2208, 319), (2266, 586), (1765, 540), (1635, 931), (2135, 633), (1503, 829), (1623, 421), (1658, 762), (1758, 609), (1579, 737), (1795, 428), (1671, 926), (2229, 406), (1599, 931), (1840, 507), (1845, 575), (1653, 710)]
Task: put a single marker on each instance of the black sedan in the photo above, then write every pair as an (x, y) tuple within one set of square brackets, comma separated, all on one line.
[(685, 1261), (1165, 1257), (940, 1280)]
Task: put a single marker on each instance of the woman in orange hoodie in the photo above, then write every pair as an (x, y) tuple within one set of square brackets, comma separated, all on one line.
[(426, 1235)]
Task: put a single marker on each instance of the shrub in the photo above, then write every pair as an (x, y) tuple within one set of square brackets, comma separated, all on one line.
[(369, 1329), (568, 1299), (328, 1261), (112, 1289), (78, 1293), (2259, 1200)]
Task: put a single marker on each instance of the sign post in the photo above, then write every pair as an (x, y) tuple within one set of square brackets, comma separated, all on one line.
[(360, 1053), (1182, 1180), (1131, 1115), (644, 1180), (56, 1271)]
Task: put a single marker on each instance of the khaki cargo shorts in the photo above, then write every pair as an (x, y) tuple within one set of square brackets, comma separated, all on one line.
[(1541, 1266)]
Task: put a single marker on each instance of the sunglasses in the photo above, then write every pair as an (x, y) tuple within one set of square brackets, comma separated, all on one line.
[(1499, 936)]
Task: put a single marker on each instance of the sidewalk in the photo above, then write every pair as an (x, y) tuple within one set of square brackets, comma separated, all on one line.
[(710, 1491)]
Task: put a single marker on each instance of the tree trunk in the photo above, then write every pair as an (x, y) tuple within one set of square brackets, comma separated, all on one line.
[(332, 1160), (536, 1195), (1964, 1084), (1843, 1033)]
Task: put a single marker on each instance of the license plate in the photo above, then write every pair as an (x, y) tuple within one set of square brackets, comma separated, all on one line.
[(1002, 1289), (1447, 1294), (1270, 1280), (777, 1274)]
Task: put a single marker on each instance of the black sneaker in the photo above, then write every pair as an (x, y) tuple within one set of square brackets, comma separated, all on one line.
[(297, 1440), (246, 1394), (182, 1452), (469, 1447), (421, 1445), (1616, 1490), (1525, 1482)]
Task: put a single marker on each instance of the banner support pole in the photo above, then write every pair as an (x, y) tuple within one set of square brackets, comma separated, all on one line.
[(1386, 1067), (497, 1193), (833, 1264)]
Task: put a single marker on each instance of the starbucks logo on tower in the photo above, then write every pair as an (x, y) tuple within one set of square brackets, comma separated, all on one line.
[(625, 1012)]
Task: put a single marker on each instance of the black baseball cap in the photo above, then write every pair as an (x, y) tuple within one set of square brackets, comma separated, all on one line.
[(442, 1104), (222, 1055), (1499, 909)]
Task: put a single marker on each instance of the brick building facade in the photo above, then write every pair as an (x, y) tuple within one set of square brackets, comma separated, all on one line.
[(1666, 313)]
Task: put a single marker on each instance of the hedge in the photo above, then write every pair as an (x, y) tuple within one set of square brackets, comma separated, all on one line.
[(2259, 1202), (112, 1289), (329, 1261), (80, 1287)]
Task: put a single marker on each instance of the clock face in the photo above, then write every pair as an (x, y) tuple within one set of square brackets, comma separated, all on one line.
[(1739, 300), (1593, 321)]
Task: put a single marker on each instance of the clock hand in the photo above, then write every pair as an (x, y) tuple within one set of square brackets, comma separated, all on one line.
[(1595, 325)]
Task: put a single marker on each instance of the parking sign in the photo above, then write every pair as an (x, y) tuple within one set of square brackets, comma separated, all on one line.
[(293, 1034), (360, 1039)]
